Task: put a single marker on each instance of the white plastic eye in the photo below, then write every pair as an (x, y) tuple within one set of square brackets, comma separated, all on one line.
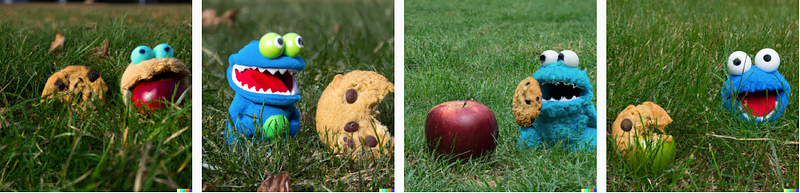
[(739, 63), (569, 58), (278, 42), (768, 60), (548, 57)]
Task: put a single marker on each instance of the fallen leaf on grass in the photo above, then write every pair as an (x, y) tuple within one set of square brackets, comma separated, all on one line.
[(276, 183), (58, 44), (102, 51), (210, 17)]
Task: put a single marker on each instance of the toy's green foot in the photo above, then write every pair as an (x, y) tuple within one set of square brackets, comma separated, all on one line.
[(274, 126)]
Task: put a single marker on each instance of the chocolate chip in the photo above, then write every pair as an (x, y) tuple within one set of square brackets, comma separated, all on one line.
[(527, 83), (528, 101), (537, 98), (371, 141), (533, 120), (92, 74), (350, 142), (626, 125), (352, 126), (60, 86), (351, 96)]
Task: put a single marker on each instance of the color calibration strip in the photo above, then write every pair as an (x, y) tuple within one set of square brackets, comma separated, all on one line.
[(791, 190), (184, 190), (589, 190), (387, 190)]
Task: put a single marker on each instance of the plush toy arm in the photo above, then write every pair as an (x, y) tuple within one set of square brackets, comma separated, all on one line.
[(588, 140), (528, 137), (294, 121), (591, 112)]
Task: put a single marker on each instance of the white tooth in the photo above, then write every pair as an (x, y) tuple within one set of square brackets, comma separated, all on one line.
[(240, 68), (282, 71), (295, 89), (269, 90), (261, 90), (272, 70), (245, 86), (261, 69), (574, 97)]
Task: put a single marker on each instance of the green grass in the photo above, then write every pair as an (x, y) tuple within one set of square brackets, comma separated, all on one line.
[(673, 53), (457, 50), (364, 41), (53, 147)]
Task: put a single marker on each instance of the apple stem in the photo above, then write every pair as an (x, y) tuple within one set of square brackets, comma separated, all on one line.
[(465, 103)]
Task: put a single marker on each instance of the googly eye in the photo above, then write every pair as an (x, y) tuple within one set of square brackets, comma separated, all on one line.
[(164, 51), (768, 60), (569, 58), (739, 63), (548, 57), (294, 44), (271, 45), (140, 54)]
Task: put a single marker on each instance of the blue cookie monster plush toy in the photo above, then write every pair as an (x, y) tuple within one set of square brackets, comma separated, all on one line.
[(261, 76), (568, 115), (755, 94)]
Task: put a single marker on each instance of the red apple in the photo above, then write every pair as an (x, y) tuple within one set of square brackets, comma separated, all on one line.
[(151, 93), (463, 128)]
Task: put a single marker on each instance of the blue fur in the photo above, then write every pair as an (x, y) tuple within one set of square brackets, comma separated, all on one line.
[(572, 123), (248, 109), (754, 80)]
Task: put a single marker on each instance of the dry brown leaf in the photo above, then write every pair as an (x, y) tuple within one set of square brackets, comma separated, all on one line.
[(276, 183), (101, 51), (58, 44)]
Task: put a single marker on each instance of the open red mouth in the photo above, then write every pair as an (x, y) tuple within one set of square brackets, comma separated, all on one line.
[(265, 80), (162, 87), (758, 104)]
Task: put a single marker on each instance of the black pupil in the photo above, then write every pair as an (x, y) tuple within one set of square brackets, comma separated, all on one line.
[(300, 41), (542, 58), (280, 41), (767, 58), (737, 62), (141, 51), (561, 56), (167, 49)]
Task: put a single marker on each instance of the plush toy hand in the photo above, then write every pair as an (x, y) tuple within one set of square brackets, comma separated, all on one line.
[(274, 126)]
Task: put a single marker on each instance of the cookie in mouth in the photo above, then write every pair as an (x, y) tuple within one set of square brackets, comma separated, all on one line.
[(150, 81), (264, 80)]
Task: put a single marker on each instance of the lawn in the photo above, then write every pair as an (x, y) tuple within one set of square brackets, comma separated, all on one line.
[(673, 53), (340, 36), (52, 146), (478, 50)]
